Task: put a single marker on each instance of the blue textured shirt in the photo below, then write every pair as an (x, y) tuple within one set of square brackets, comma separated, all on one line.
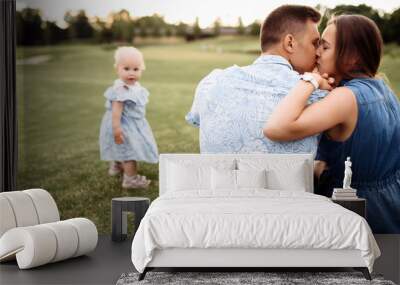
[(231, 107)]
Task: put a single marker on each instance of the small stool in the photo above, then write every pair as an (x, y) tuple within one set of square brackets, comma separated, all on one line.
[(120, 207)]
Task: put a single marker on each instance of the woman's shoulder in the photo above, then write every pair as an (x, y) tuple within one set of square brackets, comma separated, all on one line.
[(341, 93), (367, 90)]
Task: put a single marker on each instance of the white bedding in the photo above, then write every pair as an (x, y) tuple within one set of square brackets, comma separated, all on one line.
[(250, 219)]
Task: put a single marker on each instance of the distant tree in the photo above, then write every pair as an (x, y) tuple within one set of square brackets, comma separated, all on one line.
[(392, 27), (361, 10), (78, 25), (122, 26), (217, 27), (29, 27), (19, 22), (385, 22), (151, 26), (170, 30), (69, 18), (33, 30), (254, 28), (103, 33), (53, 34), (326, 15), (182, 29), (196, 29), (82, 26), (240, 28)]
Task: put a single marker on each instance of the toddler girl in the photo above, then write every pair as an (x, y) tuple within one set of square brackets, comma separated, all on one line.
[(125, 134)]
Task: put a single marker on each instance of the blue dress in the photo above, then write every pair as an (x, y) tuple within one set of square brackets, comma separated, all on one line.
[(374, 148), (139, 143)]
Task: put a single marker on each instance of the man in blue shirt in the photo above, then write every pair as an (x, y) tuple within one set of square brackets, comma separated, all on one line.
[(231, 106)]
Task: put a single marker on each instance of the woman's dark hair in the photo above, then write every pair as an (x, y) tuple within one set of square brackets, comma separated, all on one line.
[(286, 19), (358, 46)]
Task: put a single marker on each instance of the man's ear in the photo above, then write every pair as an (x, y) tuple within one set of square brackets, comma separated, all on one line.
[(289, 43)]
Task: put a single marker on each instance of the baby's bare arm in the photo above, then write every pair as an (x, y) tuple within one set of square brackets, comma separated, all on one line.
[(117, 108)]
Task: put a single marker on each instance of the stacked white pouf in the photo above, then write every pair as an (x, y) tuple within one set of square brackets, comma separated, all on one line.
[(32, 233)]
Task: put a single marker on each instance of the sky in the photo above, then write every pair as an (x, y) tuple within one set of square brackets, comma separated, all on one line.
[(180, 10)]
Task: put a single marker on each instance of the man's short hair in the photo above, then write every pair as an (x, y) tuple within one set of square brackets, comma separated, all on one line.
[(286, 19)]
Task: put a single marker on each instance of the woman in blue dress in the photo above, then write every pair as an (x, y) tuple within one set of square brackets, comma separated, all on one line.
[(125, 134), (361, 118)]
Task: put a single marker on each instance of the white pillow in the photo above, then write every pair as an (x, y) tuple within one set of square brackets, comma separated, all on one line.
[(251, 178), (281, 174), (223, 179), (194, 174), (184, 178), (227, 179)]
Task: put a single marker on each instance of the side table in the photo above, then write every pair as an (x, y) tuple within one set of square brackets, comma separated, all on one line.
[(119, 208), (357, 205)]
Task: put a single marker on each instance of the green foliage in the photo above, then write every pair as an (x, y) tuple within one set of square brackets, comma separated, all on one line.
[(29, 27), (78, 25), (103, 33), (240, 28), (255, 28), (182, 29), (196, 29), (122, 27), (392, 28), (388, 24), (217, 27), (151, 26)]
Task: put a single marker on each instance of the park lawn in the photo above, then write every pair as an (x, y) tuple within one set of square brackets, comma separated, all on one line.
[(61, 103)]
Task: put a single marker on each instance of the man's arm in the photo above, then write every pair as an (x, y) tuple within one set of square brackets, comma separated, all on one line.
[(317, 95)]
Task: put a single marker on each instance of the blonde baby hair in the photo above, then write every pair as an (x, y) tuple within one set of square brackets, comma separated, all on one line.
[(132, 51)]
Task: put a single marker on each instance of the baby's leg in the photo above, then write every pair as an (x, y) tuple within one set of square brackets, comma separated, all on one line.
[(130, 167), (131, 178), (115, 168)]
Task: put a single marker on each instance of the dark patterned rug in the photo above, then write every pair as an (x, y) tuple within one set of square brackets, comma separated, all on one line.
[(270, 278)]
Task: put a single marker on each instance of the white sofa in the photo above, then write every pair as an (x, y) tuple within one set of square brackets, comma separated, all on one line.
[(31, 231), (198, 195)]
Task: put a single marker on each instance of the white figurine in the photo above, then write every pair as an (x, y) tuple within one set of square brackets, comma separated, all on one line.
[(347, 174)]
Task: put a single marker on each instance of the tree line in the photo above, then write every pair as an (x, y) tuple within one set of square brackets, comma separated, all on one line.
[(32, 29)]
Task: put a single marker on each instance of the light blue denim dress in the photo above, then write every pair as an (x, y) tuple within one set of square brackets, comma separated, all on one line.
[(139, 143)]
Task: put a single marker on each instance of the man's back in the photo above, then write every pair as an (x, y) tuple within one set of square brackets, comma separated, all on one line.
[(231, 107)]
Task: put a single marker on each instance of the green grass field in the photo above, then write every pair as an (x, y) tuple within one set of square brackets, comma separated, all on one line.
[(61, 103)]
